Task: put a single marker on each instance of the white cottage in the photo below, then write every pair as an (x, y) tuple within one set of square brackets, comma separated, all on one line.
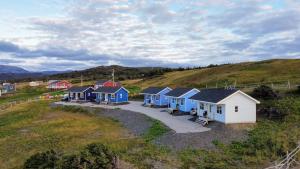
[(226, 106)]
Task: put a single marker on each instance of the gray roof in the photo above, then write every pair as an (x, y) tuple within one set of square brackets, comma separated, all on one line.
[(78, 88), (107, 89), (178, 92), (213, 95), (153, 90)]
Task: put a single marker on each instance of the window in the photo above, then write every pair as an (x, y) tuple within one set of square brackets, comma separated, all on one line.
[(89, 94), (201, 106), (236, 108), (113, 96), (219, 109), (173, 100), (121, 95), (157, 97), (182, 101)]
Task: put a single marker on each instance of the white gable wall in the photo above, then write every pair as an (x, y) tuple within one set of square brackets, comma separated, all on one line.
[(246, 109)]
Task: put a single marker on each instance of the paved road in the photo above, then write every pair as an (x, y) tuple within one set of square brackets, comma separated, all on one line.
[(180, 124)]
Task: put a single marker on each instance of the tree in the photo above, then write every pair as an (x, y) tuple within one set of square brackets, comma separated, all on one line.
[(264, 92)]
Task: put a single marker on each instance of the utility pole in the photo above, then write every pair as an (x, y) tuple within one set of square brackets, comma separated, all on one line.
[(113, 76)]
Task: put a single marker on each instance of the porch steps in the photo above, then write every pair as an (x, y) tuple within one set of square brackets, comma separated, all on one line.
[(202, 121)]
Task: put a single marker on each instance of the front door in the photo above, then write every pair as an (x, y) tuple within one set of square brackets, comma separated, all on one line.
[(106, 97), (210, 112)]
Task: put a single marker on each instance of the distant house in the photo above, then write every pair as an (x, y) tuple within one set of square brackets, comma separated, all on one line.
[(35, 83), (156, 96), (59, 84), (84, 93), (226, 105), (111, 95), (178, 99), (106, 83), (8, 88)]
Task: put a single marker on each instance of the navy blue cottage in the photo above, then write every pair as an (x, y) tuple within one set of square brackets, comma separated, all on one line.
[(83, 93), (111, 95)]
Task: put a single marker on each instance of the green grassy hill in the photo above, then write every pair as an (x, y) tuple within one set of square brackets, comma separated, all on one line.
[(270, 71)]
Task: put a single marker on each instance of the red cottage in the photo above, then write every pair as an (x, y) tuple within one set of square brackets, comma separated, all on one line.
[(59, 84), (107, 83)]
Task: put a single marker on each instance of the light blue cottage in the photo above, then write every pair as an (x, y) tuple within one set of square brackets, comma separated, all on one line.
[(155, 96), (179, 99)]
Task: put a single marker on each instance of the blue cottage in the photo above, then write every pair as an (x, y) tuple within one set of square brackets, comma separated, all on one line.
[(179, 99), (155, 96), (113, 95), (83, 93)]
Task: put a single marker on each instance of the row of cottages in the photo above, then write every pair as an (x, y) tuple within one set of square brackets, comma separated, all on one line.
[(58, 84), (222, 105), (106, 93)]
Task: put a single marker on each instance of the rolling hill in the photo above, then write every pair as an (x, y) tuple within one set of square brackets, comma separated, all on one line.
[(269, 71)]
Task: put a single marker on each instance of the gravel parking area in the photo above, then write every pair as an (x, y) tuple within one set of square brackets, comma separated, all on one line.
[(203, 140), (137, 123)]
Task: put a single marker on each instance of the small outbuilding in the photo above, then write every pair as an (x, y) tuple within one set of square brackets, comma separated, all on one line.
[(225, 106), (114, 95), (83, 93), (179, 99), (155, 96)]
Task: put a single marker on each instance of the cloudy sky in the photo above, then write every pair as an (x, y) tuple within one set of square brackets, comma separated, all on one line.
[(77, 34)]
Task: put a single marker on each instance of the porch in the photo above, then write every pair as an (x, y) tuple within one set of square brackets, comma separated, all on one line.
[(77, 96)]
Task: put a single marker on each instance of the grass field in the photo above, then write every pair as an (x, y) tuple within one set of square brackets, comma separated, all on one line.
[(242, 73), (35, 127)]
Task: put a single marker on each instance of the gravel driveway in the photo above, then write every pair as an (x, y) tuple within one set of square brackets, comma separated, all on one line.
[(180, 124)]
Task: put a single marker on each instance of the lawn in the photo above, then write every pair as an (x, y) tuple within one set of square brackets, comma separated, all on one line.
[(23, 93), (35, 127)]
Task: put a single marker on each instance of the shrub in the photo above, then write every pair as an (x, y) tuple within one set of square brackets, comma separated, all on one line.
[(264, 92), (48, 159), (92, 157), (98, 156)]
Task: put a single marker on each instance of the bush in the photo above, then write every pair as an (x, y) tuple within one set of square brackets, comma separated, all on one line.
[(264, 92), (48, 159), (92, 157)]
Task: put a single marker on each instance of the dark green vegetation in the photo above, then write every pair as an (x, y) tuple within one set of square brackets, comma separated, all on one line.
[(264, 92), (91, 157), (105, 72)]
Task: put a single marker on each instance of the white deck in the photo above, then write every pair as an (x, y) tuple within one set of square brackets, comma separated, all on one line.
[(180, 124)]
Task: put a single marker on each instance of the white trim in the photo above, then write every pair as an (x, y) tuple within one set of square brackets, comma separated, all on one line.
[(185, 93), (204, 101), (113, 92), (256, 101), (122, 88)]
